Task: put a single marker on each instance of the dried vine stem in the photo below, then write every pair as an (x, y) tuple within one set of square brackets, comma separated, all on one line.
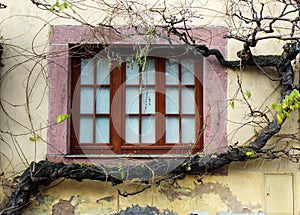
[(2, 6), (264, 26), (45, 172)]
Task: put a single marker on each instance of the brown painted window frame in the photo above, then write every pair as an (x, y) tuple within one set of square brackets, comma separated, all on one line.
[(117, 143), (214, 83)]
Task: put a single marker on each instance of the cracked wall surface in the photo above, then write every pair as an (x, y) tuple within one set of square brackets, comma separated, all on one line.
[(240, 189)]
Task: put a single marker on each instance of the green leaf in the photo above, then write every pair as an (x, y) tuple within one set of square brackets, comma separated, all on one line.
[(273, 106), (284, 105), (65, 4), (34, 138), (277, 107), (122, 175), (121, 171), (232, 104), (151, 31), (294, 93), (249, 154), (293, 107), (120, 167), (62, 117), (296, 147), (248, 94), (279, 118), (61, 8)]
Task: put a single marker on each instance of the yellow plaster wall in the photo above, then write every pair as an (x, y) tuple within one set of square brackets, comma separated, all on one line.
[(215, 194), (21, 23), (243, 188)]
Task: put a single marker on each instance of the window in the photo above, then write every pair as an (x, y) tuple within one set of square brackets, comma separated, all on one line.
[(121, 108), (61, 145)]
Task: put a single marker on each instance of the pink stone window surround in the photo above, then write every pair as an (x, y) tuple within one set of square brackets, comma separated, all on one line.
[(214, 85)]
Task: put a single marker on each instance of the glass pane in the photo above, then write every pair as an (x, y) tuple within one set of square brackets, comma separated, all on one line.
[(132, 72), (148, 129), (187, 70), (102, 129), (188, 129), (171, 72), (132, 129), (188, 101), (102, 100), (132, 100), (87, 71), (172, 129), (103, 69), (148, 100), (172, 100), (148, 76), (86, 129), (86, 100)]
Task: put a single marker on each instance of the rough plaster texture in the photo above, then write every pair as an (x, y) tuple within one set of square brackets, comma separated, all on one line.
[(63, 207), (216, 193), (241, 189)]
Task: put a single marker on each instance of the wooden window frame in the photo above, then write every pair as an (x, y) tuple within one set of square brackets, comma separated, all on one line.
[(62, 36), (117, 143)]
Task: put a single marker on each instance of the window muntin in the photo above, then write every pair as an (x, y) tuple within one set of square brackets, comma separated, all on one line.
[(180, 101), (94, 116), (161, 98), (140, 103)]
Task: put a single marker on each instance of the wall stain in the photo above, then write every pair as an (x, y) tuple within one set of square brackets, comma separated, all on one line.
[(225, 194), (63, 207), (148, 210), (107, 198), (176, 193), (172, 195), (7, 188)]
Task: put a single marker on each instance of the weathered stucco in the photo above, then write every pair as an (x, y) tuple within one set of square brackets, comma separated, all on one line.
[(241, 189), (99, 198)]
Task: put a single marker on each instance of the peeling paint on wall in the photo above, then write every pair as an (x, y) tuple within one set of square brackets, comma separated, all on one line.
[(217, 189), (63, 207), (107, 199), (138, 210), (6, 188), (225, 194)]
